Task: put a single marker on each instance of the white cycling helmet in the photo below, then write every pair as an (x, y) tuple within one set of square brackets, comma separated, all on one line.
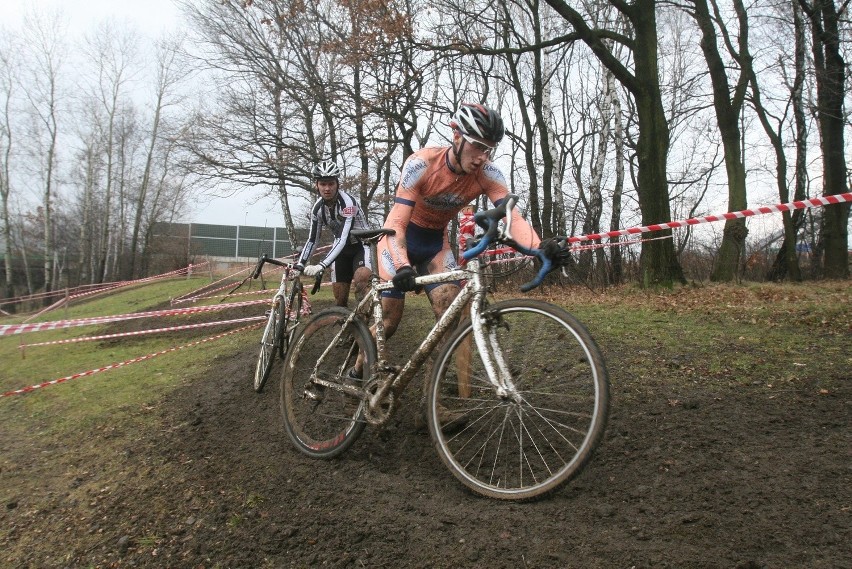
[(480, 121), (325, 169)]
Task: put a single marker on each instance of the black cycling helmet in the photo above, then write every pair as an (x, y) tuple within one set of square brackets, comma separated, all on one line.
[(325, 169), (480, 121)]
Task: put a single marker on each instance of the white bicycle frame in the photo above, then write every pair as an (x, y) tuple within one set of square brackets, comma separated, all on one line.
[(388, 379)]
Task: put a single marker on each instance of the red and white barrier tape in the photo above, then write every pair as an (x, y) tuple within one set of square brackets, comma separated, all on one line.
[(197, 294), (124, 363), (501, 250), (144, 332), (9, 329), (191, 295), (615, 243), (84, 289), (777, 208), (202, 296)]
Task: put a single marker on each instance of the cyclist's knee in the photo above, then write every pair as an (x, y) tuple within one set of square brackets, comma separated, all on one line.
[(341, 293), (442, 296), (361, 280)]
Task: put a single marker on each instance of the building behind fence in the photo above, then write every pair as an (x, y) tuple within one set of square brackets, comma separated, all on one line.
[(229, 241), (222, 243)]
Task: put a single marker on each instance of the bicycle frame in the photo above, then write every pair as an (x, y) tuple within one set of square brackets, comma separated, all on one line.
[(394, 380), (281, 293)]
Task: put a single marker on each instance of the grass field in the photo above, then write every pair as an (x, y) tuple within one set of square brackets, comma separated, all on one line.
[(739, 334), (78, 402), (729, 403)]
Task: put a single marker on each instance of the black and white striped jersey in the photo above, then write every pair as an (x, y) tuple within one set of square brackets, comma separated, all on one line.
[(341, 217)]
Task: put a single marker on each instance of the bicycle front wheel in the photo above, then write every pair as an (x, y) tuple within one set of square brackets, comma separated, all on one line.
[(269, 343), (528, 440), (323, 421), (290, 320)]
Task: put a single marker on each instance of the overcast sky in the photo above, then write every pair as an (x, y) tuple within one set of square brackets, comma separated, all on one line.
[(151, 18)]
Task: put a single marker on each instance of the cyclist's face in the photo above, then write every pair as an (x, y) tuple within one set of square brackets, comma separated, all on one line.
[(327, 188), (474, 151)]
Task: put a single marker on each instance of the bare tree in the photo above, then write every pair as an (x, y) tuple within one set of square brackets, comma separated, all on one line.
[(88, 175), (262, 133), (45, 33), (8, 83), (830, 69), (112, 52), (789, 15), (169, 73), (728, 103), (616, 274), (659, 264)]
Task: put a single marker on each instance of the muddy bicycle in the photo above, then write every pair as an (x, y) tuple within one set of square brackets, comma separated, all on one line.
[(288, 305), (523, 379)]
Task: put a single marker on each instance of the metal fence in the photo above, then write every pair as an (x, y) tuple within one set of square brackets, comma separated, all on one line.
[(228, 241)]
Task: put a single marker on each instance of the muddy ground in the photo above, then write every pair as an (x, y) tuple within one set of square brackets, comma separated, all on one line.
[(700, 475)]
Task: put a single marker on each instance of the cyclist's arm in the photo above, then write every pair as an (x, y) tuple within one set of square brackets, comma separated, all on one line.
[(349, 210), (313, 235), (496, 190), (403, 206)]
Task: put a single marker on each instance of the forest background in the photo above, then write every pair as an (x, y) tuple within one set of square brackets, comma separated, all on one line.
[(618, 114)]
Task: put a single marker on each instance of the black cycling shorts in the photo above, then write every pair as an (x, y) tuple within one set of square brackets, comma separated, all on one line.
[(353, 256)]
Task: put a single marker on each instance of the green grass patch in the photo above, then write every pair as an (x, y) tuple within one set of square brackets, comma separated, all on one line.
[(729, 335), (725, 335), (88, 400)]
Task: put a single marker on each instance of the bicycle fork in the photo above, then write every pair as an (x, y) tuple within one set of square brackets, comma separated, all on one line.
[(485, 335)]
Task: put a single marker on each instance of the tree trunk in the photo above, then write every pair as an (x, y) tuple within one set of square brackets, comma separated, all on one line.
[(658, 263), (616, 270), (728, 109), (534, 216), (786, 262), (830, 79), (143, 189)]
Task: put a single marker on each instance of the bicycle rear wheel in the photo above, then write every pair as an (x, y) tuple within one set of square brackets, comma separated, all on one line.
[(531, 441), (269, 343), (323, 421)]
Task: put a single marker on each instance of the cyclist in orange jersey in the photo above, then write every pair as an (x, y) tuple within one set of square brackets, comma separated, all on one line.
[(435, 184)]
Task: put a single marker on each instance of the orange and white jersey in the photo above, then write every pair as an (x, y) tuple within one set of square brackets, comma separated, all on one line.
[(430, 194)]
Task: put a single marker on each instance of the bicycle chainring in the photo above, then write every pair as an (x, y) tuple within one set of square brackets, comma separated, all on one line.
[(379, 415)]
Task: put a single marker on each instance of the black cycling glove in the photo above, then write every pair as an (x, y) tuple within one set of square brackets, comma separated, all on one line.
[(550, 247), (554, 248), (403, 280)]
